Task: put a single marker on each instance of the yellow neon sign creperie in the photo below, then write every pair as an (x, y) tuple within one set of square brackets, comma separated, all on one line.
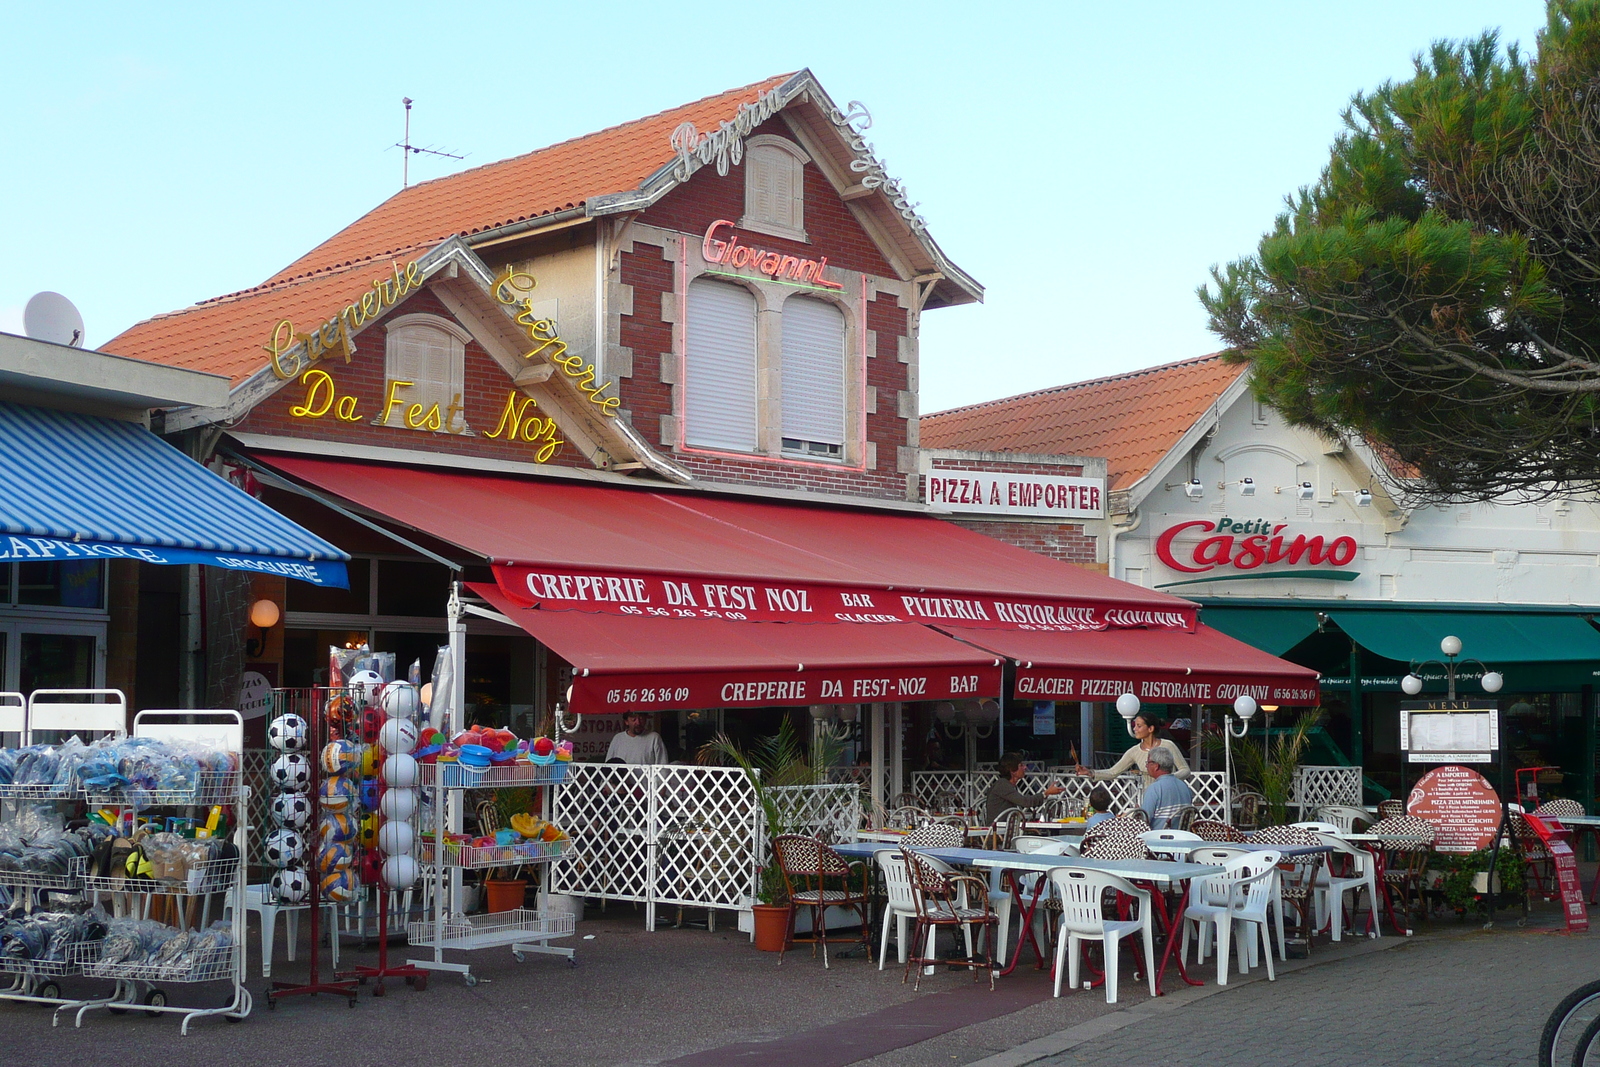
[(334, 336), (510, 289)]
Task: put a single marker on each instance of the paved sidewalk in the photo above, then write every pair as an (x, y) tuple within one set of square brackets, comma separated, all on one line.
[(1475, 1000)]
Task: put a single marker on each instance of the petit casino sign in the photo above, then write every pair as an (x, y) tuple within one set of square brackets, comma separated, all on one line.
[(1247, 545)]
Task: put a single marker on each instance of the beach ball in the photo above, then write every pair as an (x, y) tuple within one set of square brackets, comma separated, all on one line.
[(395, 839), (398, 735), (398, 805), (399, 872), (400, 771), (400, 700)]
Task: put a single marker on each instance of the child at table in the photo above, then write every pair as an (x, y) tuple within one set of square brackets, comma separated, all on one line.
[(1098, 809)]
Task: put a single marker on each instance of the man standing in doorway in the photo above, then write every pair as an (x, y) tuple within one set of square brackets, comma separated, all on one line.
[(634, 745)]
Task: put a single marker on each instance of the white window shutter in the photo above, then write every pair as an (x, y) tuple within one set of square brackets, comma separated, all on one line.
[(813, 371), (431, 359), (720, 367), (774, 190)]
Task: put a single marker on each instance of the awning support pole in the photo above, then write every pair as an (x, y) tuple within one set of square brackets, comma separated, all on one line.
[(458, 697), (897, 751), (876, 724)]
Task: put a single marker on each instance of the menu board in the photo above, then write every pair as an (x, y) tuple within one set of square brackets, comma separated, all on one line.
[(1449, 731), (1461, 804)]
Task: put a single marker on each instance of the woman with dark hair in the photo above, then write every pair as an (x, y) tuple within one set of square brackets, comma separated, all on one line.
[(1147, 729)]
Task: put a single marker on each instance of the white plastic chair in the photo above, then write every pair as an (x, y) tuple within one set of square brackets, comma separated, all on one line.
[(899, 907), (1345, 816), (1331, 888), (1170, 842), (1319, 827), (1082, 893), (1026, 843), (1241, 894)]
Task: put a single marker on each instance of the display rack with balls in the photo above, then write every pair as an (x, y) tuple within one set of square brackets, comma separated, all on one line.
[(391, 841), (316, 807)]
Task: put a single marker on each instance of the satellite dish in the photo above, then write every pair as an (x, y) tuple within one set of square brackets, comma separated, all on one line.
[(52, 317)]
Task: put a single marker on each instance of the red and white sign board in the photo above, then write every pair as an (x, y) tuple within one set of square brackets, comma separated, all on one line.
[(645, 595), (1066, 683), (1555, 836), (1462, 806), (616, 693), (1049, 496)]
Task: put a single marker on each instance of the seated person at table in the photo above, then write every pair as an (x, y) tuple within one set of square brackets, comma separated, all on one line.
[(1166, 793), (1003, 791), (1099, 807)]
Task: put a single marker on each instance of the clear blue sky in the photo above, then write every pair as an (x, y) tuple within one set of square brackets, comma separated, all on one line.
[(1086, 161)]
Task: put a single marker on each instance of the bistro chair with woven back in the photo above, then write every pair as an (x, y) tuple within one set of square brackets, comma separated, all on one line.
[(817, 877), (956, 902), (1565, 807), (1216, 830), (1297, 879), (1404, 864)]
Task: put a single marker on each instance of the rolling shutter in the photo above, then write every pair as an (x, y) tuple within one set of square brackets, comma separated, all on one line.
[(813, 372), (720, 367)]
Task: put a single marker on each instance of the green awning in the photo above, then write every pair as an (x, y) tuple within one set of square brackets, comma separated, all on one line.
[(1493, 637), (1273, 630)]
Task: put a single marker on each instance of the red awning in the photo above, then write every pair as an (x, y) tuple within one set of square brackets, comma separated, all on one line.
[(1204, 667), (622, 663), (618, 551)]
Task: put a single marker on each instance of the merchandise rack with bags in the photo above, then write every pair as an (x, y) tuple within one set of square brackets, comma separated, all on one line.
[(212, 953), (92, 711)]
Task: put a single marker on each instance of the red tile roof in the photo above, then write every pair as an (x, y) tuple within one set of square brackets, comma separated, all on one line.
[(550, 179), (1131, 419), (225, 335)]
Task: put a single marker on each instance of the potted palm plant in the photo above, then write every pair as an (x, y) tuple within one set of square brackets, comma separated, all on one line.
[(1272, 771), (778, 760)]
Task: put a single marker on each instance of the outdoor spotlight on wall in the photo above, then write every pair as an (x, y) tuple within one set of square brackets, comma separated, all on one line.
[(1411, 684), (1363, 496), (1302, 490), (1193, 488), (264, 615), (1247, 486)]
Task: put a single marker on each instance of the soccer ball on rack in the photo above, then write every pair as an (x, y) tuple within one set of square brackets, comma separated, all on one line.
[(291, 810), (290, 773), (287, 733), (291, 885), (283, 848), (364, 685)]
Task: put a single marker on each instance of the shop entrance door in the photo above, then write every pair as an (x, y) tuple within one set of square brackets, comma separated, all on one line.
[(36, 655)]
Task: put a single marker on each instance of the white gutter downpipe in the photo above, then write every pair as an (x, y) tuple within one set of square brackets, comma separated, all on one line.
[(1136, 518)]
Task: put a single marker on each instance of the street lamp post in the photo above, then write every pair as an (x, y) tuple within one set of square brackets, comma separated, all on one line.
[(1245, 708), (1451, 648)]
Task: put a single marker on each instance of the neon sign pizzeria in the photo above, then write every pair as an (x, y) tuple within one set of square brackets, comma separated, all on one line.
[(630, 431)]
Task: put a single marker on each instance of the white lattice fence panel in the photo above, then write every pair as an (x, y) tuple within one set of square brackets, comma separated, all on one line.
[(1210, 794), (605, 808), (707, 850), (1126, 790), (831, 812), (930, 786), (1106, 760), (1315, 786)]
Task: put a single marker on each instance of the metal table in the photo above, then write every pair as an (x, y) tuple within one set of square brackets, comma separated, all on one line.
[(1165, 873)]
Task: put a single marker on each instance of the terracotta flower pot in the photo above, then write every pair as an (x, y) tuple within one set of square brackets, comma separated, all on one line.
[(505, 894), (771, 923)]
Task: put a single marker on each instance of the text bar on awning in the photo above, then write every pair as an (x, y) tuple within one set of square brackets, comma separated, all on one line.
[(623, 663), (619, 592)]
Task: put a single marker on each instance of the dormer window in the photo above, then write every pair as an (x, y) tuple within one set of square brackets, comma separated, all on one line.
[(774, 187), (424, 363)]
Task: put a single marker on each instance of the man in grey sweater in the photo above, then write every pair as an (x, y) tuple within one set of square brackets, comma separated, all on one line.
[(1003, 791), (1166, 793)]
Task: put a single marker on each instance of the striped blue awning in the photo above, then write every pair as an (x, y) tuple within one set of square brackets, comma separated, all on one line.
[(82, 487)]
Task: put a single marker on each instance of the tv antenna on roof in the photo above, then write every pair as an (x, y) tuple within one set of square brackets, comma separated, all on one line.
[(408, 148)]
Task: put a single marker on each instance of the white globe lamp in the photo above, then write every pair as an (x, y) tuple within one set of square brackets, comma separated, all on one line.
[(1493, 681), (1128, 706), (1411, 684), (1450, 646), (1245, 707)]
